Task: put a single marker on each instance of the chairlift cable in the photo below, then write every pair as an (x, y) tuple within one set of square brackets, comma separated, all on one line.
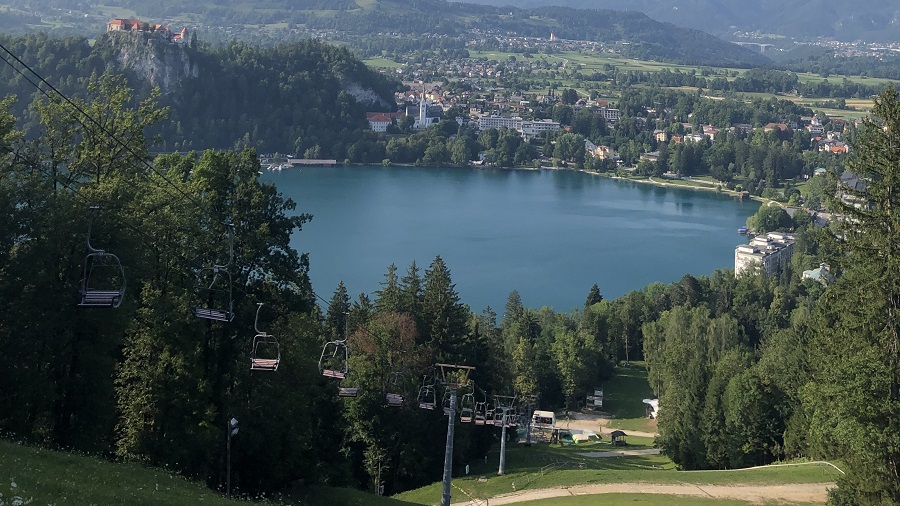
[(103, 129)]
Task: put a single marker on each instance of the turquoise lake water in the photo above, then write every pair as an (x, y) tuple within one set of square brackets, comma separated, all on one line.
[(548, 234)]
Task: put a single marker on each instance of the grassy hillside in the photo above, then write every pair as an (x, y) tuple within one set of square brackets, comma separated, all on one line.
[(48, 477), (543, 466)]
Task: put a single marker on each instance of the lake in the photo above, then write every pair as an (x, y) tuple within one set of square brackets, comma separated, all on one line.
[(548, 234)]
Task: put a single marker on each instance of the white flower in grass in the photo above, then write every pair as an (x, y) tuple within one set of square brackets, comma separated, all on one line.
[(13, 485)]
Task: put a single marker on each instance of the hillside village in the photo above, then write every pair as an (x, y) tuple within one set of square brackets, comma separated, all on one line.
[(464, 96)]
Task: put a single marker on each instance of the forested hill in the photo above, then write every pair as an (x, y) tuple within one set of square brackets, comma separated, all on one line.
[(866, 19), (644, 37), (290, 98)]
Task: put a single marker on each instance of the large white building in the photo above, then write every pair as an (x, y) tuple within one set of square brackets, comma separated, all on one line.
[(610, 115), (528, 129), (531, 129), (510, 122), (771, 251)]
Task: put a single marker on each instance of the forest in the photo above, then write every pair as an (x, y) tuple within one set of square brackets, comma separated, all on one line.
[(749, 369)]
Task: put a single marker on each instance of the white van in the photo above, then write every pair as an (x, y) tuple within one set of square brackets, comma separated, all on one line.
[(543, 420)]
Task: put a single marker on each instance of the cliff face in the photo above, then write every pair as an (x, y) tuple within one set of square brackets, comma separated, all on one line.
[(153, 59)]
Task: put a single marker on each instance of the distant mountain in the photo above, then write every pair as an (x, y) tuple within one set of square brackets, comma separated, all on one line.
[(872, 20), (635, 34), (642, 36)]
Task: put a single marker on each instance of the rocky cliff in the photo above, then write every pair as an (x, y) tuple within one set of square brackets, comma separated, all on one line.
[(152, 58)]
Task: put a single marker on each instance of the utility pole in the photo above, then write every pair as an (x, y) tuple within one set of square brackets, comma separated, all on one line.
[(448, 452)]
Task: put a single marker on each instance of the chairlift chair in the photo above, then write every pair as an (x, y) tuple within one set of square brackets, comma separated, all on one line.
[(427, 397), (467, 408), (213, 291), (266, 353), (348, 391), (103, 281), (480, 410), (334, 362), (393, 400)]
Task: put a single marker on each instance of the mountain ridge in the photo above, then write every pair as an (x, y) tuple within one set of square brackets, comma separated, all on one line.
[(869, 20)]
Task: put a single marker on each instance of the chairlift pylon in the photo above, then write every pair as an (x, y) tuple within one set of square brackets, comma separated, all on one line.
[(214, 300), (261, 357), (103, 281)]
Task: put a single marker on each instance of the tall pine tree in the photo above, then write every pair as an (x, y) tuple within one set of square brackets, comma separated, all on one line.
[(854, 393)]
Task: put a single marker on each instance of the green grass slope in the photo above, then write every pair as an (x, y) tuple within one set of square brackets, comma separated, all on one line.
[(47, 477)]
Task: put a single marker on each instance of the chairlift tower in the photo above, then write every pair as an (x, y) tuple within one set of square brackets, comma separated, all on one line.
[(505, 404), (453, 377)]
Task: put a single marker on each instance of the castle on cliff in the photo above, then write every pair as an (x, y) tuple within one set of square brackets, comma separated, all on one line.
[(136, 25)]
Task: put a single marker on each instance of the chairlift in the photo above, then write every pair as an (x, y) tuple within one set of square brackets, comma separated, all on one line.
[(467, 408), (348, 391), (480, 413), (213, 291), (266, 353), (488, 415), (335, 360), (103, 281), (427, 398), (395, 400)]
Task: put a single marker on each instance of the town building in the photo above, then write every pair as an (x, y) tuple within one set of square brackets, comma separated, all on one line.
[(379, 121), (532, 129), (770, 251), (822, 274), (610, 115), (510, 122)]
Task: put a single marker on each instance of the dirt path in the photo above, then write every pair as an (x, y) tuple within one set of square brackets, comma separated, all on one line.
[(619, 453), (596, 423), (801, 492)]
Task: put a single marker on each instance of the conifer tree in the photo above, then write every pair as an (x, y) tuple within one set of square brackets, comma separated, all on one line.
[(443, 315), (853, 396), (338, 311), (593, 297)]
